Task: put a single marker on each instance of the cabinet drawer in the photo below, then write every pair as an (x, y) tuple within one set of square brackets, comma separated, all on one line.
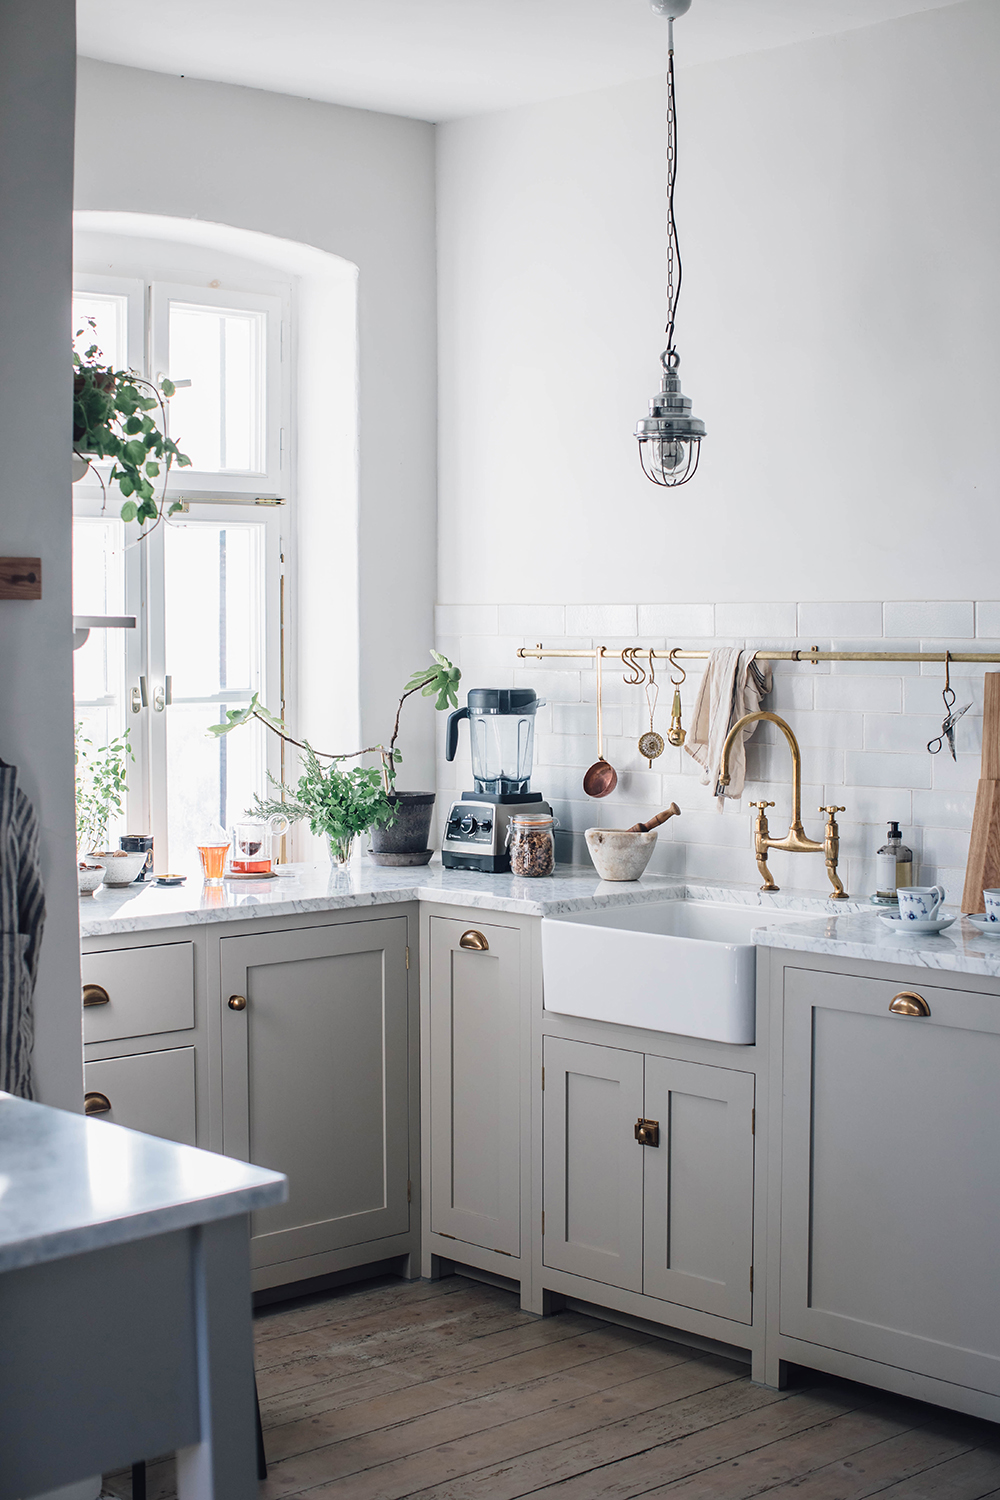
[(149, 990), (149, 1091)]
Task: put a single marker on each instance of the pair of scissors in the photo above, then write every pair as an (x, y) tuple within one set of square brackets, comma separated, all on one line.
[(952, 715)]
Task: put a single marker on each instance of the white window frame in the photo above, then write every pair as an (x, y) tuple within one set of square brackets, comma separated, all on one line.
[(271, 480)]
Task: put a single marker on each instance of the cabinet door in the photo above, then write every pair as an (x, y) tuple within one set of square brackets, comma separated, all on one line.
[(698, 1187), (149, 1091), (475, 1085), (891, 1176), (592, 1164), (315, 1080)]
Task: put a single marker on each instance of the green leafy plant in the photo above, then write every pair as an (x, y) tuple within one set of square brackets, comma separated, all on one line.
[(440, 681), (101, 783), (111, 420), (340, 804)]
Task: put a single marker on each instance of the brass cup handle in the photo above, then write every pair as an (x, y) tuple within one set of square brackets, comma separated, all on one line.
[(95, 994), (474, 940), (237, 1002), (96, 1104), (909, 1003)]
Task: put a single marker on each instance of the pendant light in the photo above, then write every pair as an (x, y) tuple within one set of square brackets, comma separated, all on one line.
[(670, 437)]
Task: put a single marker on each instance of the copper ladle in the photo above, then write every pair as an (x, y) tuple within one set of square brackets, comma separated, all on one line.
[(602, 778)]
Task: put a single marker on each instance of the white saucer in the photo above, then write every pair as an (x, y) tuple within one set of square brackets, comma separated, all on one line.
[(900, 925), (992, 929)]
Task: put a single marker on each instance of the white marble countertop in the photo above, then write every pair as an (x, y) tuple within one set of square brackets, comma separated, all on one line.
[(961, 948), (69, 1184), (314, 888)]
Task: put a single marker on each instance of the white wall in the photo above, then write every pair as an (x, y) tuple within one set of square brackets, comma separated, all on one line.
[(841, 229), (37, 45), (357, 185)]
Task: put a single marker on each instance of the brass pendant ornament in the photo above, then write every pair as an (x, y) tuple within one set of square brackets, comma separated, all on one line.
[(651, 744)]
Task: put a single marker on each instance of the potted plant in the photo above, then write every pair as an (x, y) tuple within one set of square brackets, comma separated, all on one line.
[(101, 783), (336, 803), (111, 420), (400, 822)]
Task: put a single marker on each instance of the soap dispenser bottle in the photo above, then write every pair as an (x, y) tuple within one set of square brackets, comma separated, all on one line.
[(893, 866)]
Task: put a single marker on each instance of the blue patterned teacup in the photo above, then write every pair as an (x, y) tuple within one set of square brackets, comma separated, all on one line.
[(991, 900), (920, 903)]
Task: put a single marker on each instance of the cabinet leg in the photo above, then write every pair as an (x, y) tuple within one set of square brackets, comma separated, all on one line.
[(767, 1369), (436, 1267), (541, 1302), (410, 1267)]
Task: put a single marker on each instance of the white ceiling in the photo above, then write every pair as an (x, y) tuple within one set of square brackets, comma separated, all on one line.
[(440, 59)]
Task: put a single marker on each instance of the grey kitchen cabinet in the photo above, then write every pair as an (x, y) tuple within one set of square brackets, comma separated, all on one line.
[(672, 1220), (473, 1038), (315, 1083), (890, 1180), (133, 992), (149, 1091)]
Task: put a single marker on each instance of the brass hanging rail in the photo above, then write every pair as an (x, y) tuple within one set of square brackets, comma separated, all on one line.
[(811, 654)]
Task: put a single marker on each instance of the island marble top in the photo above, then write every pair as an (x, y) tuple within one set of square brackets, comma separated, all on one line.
[(69, 1184)]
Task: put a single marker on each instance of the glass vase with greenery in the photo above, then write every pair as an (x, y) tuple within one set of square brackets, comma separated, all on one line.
[(111, 420), (101, 784), (336, 803)]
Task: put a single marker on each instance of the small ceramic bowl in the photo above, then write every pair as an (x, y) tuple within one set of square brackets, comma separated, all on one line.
[(618, 854), (90, 877), (119, 868)]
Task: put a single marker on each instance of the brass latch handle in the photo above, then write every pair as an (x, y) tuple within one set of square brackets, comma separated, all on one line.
[(909, 1003), (237, 1002), (96, 1104), (647, 1132), (95, 994), (474, 940)]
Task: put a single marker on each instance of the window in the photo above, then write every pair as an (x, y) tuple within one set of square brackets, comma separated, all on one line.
[(203, 585)]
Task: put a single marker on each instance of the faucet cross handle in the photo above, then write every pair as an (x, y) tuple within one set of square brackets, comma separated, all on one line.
[(763, 805), (833, 810)]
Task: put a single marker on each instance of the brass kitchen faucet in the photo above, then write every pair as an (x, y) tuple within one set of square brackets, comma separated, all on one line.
[(795, 840)]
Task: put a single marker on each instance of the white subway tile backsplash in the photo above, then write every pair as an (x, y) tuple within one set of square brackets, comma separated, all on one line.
[(863, 727), (466, 619), (602, 619), (840, 619), (877, 768), (534, 620), (757, 619), (673, 621), (860, 694), (946, 617)]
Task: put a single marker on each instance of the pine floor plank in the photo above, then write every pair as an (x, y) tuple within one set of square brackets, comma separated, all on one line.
[(447, 1391)]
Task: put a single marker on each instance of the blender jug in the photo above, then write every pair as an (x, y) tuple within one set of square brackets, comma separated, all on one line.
[(501, 732)]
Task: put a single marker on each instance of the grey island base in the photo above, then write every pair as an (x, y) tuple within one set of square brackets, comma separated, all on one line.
[(124, 1305), (821, 1194)]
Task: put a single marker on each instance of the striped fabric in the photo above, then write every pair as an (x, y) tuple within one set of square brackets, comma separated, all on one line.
[(22, 916)]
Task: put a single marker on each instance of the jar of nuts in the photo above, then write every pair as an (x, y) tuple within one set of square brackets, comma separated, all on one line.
[(531, 843)]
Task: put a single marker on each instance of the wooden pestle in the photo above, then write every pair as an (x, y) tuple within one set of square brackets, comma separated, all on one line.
[(673, 811)]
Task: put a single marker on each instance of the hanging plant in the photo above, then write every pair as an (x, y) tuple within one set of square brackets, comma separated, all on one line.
[(111, 420)]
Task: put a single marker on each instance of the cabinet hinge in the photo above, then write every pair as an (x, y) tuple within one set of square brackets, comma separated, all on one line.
[(445, 1236), (543, 1080), (504, 1252), (753, 1122), (409, 1191), (543, 1221), (751, 1280), (407, 955)]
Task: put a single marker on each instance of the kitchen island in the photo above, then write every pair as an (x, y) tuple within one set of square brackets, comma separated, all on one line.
[(124, 1304)]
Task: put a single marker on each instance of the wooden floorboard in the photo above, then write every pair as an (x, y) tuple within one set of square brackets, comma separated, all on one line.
[(445, 1390)]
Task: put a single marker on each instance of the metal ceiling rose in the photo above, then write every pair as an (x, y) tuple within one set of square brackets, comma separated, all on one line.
[(670, 437)]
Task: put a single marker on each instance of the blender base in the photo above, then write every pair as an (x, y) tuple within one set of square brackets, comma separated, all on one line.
[(481, 843)]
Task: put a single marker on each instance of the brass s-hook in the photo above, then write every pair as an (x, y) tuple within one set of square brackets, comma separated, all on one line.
[(676, 665), (676, 734), (636, 675)]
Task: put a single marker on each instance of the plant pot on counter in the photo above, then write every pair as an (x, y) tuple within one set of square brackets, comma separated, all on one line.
[(405, 842)]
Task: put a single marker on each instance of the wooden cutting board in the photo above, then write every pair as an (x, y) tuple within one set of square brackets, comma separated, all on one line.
[(983, 867)]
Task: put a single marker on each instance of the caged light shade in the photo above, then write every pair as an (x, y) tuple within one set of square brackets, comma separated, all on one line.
[(670, 437)]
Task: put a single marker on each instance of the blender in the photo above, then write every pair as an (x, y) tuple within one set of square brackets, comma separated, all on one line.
[(501, 735)]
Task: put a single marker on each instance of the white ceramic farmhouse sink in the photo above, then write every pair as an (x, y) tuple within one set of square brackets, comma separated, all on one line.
[(681, 966)]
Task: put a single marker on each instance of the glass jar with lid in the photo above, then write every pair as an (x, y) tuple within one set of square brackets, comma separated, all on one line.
[(531, 843)]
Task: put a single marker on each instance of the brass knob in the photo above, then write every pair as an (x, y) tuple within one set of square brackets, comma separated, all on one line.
[(96, 1104), (237, 1002), (474, 940), (909, 1003), (95, 994)]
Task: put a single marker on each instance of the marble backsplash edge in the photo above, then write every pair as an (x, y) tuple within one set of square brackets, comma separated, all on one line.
[(863, 728)]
